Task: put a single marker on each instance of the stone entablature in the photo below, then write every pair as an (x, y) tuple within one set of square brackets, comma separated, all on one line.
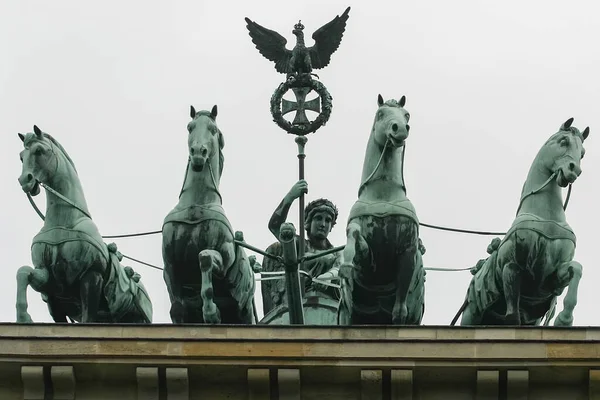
[(188, 362)]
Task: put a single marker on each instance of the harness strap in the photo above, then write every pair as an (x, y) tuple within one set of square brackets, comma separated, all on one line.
[(212, 177)]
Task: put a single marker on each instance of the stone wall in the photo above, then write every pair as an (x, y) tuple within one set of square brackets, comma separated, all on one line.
[(168, 362)]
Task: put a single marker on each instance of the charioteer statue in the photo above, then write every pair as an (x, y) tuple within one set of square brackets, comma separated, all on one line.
[(293, 254), (320, 218)]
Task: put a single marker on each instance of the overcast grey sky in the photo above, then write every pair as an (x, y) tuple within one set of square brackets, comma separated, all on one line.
[(486, 84)]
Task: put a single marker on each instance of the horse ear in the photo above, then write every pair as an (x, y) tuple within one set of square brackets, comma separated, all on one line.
[(22, 137), (379, 100), (192, 112), (402, 101), (213, 112), (37, 131), (586, 132), (567, 124)]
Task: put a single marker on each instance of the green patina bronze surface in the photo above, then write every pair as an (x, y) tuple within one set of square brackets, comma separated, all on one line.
[(381, 267), (301, 59), (209, 278), (318, 310), (519, 282), (320, 217), (79, 276), (298, 64)]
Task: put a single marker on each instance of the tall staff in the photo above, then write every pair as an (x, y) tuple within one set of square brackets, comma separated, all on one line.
[(295, 294), (298, 64)]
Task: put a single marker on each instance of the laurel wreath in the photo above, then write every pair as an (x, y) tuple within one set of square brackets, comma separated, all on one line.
[(301, 130)]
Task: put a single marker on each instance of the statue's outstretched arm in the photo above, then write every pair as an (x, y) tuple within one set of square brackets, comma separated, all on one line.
[(281, 212)]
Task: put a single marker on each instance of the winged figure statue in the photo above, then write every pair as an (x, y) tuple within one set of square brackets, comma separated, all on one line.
[(301, 59)]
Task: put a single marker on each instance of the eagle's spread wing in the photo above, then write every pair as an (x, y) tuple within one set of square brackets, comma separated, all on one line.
[(271, 45), (327, 40)]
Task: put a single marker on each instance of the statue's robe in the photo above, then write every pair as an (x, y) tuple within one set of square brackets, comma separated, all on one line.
[(273, 291)]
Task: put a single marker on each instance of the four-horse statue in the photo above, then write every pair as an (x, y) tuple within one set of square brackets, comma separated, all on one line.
[(211, 280), (78, 275), (519, 282), (382, 254), (208, 276)]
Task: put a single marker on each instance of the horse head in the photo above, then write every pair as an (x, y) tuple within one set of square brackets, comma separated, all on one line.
[(562, 153), (205, 139), (391, 122), (39, 161)]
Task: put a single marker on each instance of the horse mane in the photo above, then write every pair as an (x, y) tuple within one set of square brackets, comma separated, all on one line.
[(62, 150), (33, 136), (388, 103), (553, 138), (392, 103), (573, 130), (221, 138)]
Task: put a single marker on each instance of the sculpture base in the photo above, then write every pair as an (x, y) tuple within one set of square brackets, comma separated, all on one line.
[(130, 362)]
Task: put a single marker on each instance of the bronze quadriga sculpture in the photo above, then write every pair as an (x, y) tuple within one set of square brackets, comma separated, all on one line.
[(377, 277)]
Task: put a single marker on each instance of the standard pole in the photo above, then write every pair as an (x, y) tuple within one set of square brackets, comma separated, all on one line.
[(287, 238), (301, 142)]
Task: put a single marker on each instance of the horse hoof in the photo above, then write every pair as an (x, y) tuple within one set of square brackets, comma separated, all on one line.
[(212, 316), (177, 312), (399, 315), (205, 262), (563, 320), (513, 319), (24, 318)]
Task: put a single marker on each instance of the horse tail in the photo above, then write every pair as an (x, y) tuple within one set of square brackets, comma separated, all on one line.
[(460, 311), (254, 310)]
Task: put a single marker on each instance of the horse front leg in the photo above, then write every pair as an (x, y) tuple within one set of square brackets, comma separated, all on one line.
[(406, 266), (565, 317), (209, 260), (90, 291), (355, 254), (511, 280), (26, 276)]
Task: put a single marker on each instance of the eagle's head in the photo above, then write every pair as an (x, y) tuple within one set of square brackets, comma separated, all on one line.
[(298, 28)]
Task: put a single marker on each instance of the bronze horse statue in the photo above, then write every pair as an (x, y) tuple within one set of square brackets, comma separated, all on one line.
[(382, 276), (78, 275), (526, 271), (209, 278)]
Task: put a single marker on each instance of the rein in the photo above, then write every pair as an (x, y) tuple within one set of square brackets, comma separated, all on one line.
[(546, 183), (385, 146), (550, 179), (60, 196), (212, 177), (54, 192), (71, 203)]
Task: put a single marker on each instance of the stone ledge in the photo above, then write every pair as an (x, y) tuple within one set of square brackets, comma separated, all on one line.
[(283, 332), (266, 345)]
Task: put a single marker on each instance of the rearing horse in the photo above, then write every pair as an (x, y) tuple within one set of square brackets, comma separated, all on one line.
[(79, 276), (208, 277), (382, 281), (526, 271)]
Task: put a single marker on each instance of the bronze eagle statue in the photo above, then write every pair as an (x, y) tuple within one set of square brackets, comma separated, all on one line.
[(301, 59)]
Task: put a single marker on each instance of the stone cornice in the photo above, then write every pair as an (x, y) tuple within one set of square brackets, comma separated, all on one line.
[(293, 346)]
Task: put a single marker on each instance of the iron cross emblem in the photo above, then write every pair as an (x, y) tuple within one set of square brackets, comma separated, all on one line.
[(301, 105)]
